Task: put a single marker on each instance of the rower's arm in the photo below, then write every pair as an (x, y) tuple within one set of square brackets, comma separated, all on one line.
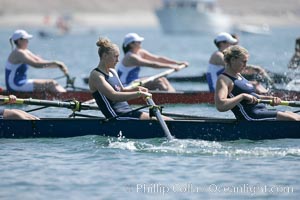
[(136, 60), (162, 59), (98, 82), (26, 57), (254, 69), (222, 102)]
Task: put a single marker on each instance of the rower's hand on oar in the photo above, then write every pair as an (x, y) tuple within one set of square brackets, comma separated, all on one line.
[(12, 99), (250, 98), (275, 101), (180, 65), (62, 66), (183, 63), (142, 89), (144, 95)]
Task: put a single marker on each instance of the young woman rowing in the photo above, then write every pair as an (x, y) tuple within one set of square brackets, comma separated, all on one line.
[(17, 65), (135, 57), (107, 88), (235, 93), (217, 63)]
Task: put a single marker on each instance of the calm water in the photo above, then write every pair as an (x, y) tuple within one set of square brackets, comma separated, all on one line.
[(94, 167)]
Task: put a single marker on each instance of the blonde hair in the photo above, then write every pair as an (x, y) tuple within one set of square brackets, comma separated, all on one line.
[(105, 46), (234, 51)]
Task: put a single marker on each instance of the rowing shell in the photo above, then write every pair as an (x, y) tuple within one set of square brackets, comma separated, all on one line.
[(205, 129), (159, 97)]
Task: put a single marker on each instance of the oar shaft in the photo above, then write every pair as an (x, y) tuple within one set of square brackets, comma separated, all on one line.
[(160, 119), (74, 105), (283, 103), (152, 78)]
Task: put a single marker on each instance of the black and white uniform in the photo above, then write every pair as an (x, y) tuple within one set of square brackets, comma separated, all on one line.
[(244, 110), (111, 108)]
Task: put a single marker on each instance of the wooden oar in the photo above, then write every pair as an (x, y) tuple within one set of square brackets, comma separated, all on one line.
[(74, 105), (160, 118), (283, 103), (152, 78)]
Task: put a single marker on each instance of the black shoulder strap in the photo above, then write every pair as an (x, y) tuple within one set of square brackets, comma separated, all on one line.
[(98, 70)]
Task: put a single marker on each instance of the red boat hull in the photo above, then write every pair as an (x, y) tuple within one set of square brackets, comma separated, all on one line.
[(187, 97)]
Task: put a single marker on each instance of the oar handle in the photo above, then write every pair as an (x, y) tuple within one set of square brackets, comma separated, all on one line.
[(283, 103), (159, 118)]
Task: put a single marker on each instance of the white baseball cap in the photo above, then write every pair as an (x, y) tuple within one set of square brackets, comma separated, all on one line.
[(20, 34), (132, 37), (225, 37)]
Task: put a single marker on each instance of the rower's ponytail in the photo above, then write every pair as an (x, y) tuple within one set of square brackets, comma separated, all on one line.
[(11, 43)]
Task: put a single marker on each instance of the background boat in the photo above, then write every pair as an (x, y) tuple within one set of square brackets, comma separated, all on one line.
[(192, 16), (252, 29), (160, 97)]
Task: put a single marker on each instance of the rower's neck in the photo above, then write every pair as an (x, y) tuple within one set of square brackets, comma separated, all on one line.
[(103, 69), (231, 73)]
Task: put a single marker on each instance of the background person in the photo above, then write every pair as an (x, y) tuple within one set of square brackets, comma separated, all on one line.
[(17, 65), (295, 60), (235, 93), (136, 57), (294, 69)]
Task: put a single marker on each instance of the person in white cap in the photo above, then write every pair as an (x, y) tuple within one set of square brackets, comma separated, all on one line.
[(216, 64), (19, 60), (135, 57)]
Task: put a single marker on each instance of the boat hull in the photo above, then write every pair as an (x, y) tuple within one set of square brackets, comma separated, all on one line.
[(159, 97), (208, 129)]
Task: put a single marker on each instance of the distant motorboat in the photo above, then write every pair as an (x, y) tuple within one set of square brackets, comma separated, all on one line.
[(192, 16), (254, 29)]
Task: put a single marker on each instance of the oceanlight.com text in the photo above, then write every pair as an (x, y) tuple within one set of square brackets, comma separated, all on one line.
[(245, 189)]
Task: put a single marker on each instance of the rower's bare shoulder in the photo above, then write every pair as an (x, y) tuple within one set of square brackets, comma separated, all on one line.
[(217, 58)]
